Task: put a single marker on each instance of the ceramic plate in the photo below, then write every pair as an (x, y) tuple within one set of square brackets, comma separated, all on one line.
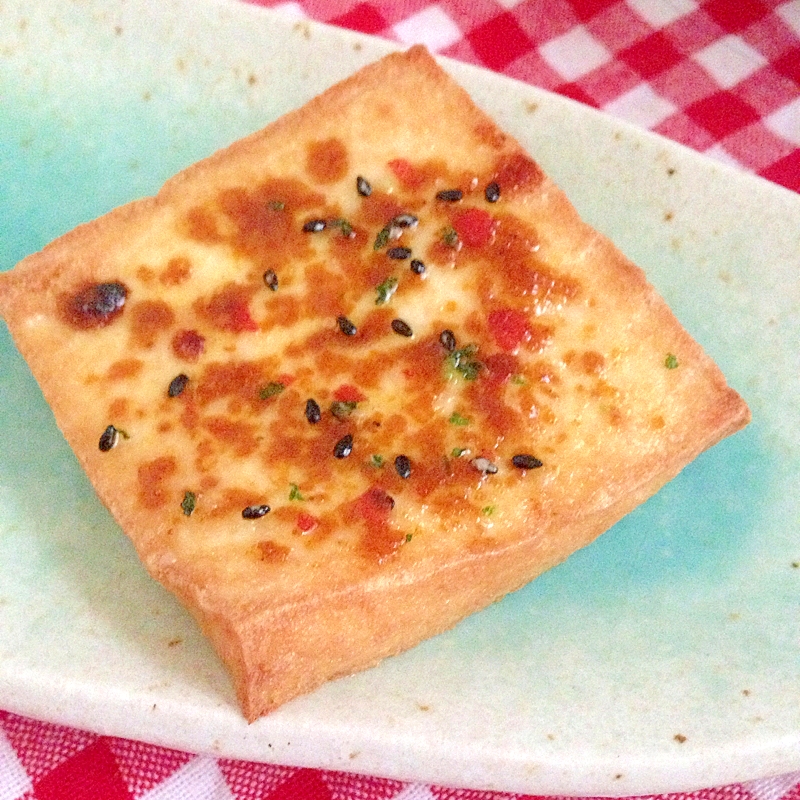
[(665, 656)]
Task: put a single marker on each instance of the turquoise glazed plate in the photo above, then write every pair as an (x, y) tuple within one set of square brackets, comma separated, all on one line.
[(664, 657)]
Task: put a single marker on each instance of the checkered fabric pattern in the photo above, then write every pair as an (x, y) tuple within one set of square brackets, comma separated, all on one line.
[(40, 761), (721, 76)]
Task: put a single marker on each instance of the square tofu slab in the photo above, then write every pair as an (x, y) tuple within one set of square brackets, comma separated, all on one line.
[(359, 375)]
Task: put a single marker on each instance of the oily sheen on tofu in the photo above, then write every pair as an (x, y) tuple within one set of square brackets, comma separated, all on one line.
[(485, 401)]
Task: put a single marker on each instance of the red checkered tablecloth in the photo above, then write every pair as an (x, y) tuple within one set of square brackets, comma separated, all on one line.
[(721, 76)]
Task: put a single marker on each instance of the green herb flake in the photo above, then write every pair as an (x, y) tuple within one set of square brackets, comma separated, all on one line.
[(408, 537), (457, 419), (385, 290), (488, 510), (188, 503), (344, 226), (294, 492), (449, 236), (270, 390), (457, 452), (382, 239), (277, 205), (376, 460), (671, 361), (342, 409), (518, 380), (464, 363)]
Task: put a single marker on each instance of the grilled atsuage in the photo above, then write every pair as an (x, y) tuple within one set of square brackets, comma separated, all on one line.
[(359, 375)]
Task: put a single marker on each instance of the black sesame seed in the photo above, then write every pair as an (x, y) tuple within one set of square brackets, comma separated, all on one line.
[(343, 447), (492, 192), (314, 226), (313, 411), (417, 266), (177, 385), (484, 465), (448, 340), (405, 221), (403, 466), (401, 328), (109, 439), (363, 187), (526, 461), (399, 253), (450, 195), (255, 512), (345, 326), (271, 279)]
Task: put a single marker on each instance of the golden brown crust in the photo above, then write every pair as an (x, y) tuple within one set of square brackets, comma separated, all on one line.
[(354, 562)]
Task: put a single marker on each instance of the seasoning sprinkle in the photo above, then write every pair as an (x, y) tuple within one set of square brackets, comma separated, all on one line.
[(526, 461), (177, 385), (189, 503), (271, 279), (450, 195), (402, 465), (345, 326), (457, 419), (109, 439), (382, 239), (492, 192), (363, 186), (277, 205), (671, 361), (342, 409), (417, 266), (385, 290), (376, 460), (314, 226), (255, 512), (343, 447), (484, 465), (295, 493), (313, 411), (402, 328), (450, 236), (344, 226), (405, 221), (448, 340), (399, 253), (463, 362), (271, 389)]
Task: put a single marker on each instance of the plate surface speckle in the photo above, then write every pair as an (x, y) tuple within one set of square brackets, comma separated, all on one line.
[(664, 657)]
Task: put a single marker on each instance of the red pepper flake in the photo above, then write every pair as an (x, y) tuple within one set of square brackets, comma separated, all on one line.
[(474, 226), (374, 506), (509, 327), (501, 366), (347, 393), (229, 309), (408, 175), (188, 345), (306, 522)]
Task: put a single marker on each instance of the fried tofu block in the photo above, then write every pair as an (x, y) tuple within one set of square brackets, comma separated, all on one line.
[(359, 375)]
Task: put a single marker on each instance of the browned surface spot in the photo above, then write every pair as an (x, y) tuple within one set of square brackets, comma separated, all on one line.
[(153, 478), (124, 368), (228, 309), (271, 552), (240, 436), (327, 161), (176, 272), (149, 318), (188, 345)]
